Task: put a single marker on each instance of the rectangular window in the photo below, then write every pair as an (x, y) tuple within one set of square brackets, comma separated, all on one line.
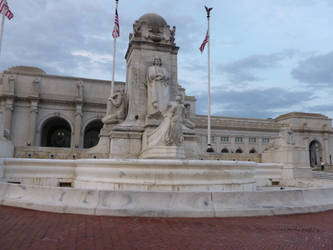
[(238, 139), (265, 140), (252, 140), (224, 139)]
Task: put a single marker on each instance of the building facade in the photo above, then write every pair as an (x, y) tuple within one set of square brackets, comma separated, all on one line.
[(55, 116)]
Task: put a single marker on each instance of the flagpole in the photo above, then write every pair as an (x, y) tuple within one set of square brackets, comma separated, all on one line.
[(114, 57), (2, 29), (113, 63), (209, 146)]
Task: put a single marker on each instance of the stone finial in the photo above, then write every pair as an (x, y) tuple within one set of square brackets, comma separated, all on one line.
[(152, 27)]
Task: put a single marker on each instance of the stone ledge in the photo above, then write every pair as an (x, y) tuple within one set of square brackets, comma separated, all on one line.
[(167, 204)]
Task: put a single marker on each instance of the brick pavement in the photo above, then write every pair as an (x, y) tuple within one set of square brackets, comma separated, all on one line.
[(27, 229)]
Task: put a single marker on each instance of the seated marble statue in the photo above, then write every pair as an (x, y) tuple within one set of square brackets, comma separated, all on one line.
[(169, 132), (116, 108), (187, 120), (157, 89), (286, 138)]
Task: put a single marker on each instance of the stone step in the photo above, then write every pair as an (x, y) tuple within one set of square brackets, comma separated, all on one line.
[(322, 175)]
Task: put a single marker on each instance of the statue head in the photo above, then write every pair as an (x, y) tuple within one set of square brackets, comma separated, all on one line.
[(157, 61), (119, 93), (179, 99)]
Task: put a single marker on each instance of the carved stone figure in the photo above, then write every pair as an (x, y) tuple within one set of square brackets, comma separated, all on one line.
[(172, 35), (36, 87), (169, 132), (288, 135), (157, 88), (286, 138), (116, 108), (187, 120), (80, 87), (6, 134)]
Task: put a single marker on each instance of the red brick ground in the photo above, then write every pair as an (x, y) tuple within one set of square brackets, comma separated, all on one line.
[(26, 229)]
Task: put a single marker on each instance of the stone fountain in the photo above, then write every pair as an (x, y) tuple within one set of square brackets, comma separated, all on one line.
[(149, 146)]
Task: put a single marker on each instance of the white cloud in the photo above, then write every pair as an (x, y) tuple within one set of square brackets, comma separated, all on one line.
[(99, 58)]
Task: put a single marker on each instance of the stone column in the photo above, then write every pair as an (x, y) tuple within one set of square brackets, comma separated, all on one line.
[(32, 122), (78, 115), (77, 126), (8, 105), (326, 149), (34, 101), (7, 117)]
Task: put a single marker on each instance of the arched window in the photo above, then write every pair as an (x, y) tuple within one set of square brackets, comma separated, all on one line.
[(225, 151), (253, 151), (239, 151), (91, 133), (56, 132), (315, 153)]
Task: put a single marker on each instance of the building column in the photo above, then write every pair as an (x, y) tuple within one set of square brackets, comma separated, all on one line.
[(34, 101), (77, 126), (7, 117), (78, 113), (326, 149), (8, 105), (32, 122)]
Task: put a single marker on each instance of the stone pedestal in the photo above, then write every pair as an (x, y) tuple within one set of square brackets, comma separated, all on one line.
[(164, 152), (294, 158), (6, 148), (102, 149), (191, 146), (125, 144)]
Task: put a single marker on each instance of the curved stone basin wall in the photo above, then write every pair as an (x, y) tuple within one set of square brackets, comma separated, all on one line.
[(136, 174), (166, 204)]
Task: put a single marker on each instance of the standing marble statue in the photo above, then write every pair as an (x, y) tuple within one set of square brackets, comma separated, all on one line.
[(157, 88)]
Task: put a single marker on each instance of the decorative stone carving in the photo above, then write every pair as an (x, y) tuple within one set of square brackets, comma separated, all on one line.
[(8, 86), (158, 90), (186, 117), (79, 93), (6, 134), (35, 87), (152, 27), (169, 132), (116, 108), (286, 137)]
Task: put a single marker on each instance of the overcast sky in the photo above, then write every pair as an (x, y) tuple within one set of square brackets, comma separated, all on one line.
[(267, 57)]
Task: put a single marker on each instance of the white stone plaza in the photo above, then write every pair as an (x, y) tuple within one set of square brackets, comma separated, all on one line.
[(69, 145)]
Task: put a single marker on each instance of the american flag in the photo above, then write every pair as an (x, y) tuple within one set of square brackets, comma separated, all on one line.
[(205, 41), (116, 31), (4, 9)]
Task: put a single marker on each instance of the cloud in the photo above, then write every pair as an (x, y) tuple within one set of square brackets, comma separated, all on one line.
[(315, 70), (254, 103), (243, 70), (67, 38), (321, 108), (105, 58)]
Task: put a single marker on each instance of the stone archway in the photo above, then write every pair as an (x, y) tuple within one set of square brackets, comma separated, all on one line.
[(224, 151), (91, 133), (315, 153), (253, 151), (56, 132), (239, 151)]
